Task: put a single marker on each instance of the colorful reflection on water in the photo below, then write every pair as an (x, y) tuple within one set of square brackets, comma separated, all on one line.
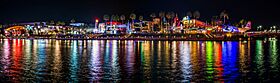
[(138, 61)]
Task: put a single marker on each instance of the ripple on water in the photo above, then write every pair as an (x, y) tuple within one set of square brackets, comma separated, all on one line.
[(24, 60)]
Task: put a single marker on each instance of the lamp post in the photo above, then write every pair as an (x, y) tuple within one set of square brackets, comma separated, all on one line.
[(271, 29), (260, 27), (274, 28), (96, 24)]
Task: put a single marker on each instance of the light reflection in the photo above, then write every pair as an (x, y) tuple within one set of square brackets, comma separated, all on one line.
[(142, 57), (74, 61), (273, 52), (35, 55), (174, 54), (185, 61), (159, 51), (243, 57), (259, 59), (130, 57), (219, 70), (114, 61), (209, 61), (166, 55), (106, 66), (147, 59), (6, 60), (27, 48), (95, 61), (111, 66), (27, 58), (57, 64), (194, 59), (230, 53), (17, 57), (41, 54)]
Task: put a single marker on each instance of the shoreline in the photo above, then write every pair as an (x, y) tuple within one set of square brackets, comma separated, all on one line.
[(156, 39)]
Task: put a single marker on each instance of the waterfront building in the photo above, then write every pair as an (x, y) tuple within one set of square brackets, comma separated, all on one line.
[(15, 31), (113, 27)]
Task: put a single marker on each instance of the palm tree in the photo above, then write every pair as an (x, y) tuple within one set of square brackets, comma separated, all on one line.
[(141, 19), (52, 22), (153, 15), (106, 18), (115, 17), (60, 23), (42, 24), (242, 23), (196, 14), (73, 20), (224, 15), (132, 17), (168, 16), (161, 15), (214, 20), (122, 18), (189, 14), (172, 15)]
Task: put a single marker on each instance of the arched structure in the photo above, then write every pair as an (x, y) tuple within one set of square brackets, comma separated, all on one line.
[(15, 31)]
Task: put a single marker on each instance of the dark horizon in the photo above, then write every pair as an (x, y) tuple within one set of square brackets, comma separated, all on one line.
[(259, 12)]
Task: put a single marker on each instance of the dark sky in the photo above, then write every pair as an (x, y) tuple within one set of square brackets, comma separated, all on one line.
[(259, 11)]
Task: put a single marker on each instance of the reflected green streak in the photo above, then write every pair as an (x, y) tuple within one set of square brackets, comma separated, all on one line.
[(259, 58), (209, 60), (273, 55)]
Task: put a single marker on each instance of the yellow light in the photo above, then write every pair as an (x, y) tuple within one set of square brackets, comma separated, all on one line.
[(96, 20)]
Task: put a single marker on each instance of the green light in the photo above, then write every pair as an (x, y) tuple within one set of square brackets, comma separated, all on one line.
[(259, 58), (273, 55), (142, 53), (209, 60)]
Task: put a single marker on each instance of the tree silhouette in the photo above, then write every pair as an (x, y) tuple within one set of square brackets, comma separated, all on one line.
[(196, 14), (122, 18), (224, 16), (132, 17), (189, 14)]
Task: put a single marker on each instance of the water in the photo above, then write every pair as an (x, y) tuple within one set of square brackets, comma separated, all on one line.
[(138, 61)]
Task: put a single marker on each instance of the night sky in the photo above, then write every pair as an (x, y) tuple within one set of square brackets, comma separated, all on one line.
[(259, 11)]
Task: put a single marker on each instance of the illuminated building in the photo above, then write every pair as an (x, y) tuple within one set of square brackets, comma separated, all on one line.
[(15, 31), (77, 24), (156, 25), (113, 27), (187, 22)]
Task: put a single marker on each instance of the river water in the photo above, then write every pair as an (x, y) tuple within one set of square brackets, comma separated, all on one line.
[(45, 60)]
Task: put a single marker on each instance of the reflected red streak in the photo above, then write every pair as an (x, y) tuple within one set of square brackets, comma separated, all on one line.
[(17, 54), (218, 62)]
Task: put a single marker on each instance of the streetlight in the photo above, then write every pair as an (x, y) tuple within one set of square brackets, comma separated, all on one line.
[(270, 29), (96, 25)]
